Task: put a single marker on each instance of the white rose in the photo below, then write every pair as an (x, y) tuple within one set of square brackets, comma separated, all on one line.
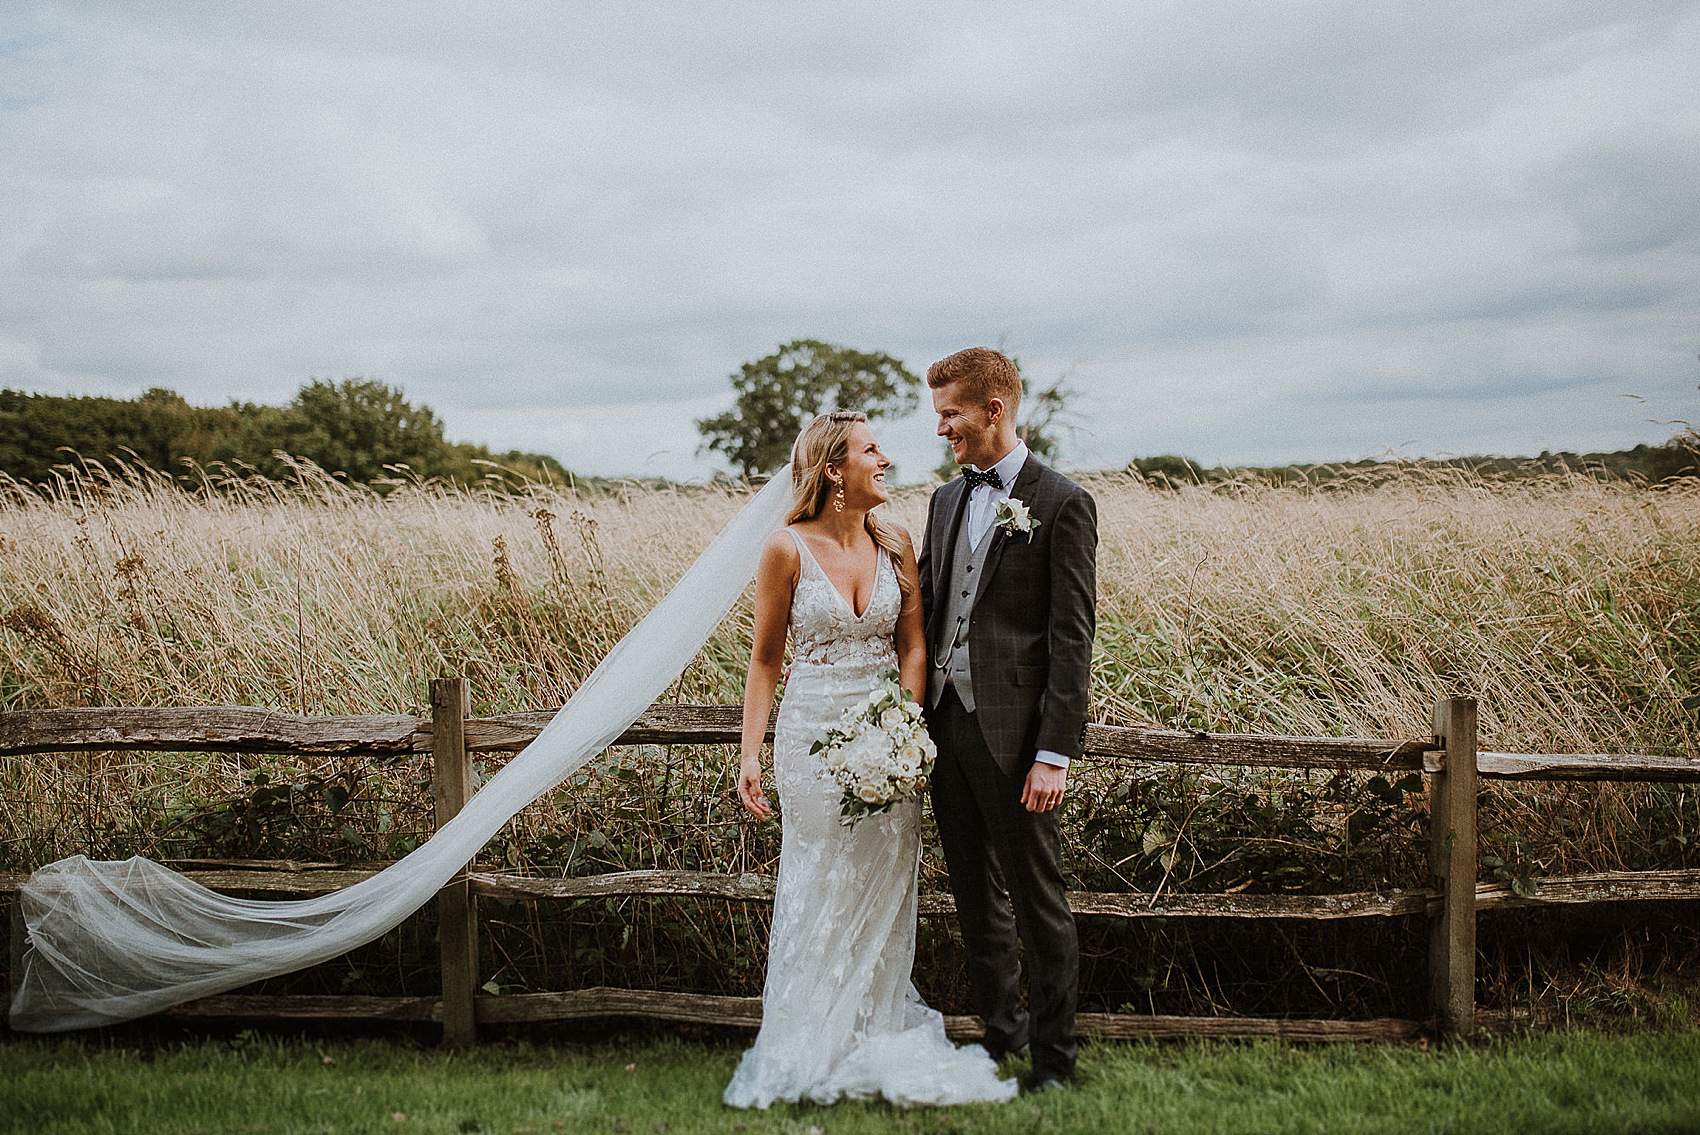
[(892, 718), (864, 753), (868, 794)]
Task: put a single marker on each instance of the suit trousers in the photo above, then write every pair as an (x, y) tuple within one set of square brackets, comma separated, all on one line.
[(1006, 876)]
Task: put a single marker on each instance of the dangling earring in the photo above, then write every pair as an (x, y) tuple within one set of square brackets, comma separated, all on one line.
[(838, 498)]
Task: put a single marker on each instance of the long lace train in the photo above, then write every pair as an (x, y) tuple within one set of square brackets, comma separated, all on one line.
[(114, 940)]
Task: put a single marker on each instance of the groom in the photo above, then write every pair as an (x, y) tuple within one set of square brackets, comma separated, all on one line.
[(1008, 585)]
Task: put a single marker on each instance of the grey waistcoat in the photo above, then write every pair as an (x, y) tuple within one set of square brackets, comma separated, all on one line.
[(950, 662)]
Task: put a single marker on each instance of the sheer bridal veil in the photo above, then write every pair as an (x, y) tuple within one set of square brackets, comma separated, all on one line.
[(112, 941)]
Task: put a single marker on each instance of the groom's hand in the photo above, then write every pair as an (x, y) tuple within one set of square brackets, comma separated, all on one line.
[(1044, 788)]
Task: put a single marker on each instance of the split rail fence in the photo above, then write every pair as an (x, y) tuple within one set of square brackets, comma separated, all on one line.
[(1450, 760)]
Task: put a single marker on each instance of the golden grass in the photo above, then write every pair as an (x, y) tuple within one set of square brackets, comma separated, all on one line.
[(325, 599), (1569, 606)]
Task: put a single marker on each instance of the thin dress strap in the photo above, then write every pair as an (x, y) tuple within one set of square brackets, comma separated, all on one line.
[(807, 557)]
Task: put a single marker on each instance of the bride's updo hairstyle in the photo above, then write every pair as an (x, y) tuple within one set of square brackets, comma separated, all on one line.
[(825, 442)]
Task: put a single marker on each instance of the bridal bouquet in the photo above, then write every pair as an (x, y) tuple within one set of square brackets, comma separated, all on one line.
[(879, 751)]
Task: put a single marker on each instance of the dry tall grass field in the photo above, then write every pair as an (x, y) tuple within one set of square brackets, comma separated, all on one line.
[(1570, 607)]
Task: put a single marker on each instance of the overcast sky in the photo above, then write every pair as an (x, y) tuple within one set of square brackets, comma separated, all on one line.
[(1249, 232)]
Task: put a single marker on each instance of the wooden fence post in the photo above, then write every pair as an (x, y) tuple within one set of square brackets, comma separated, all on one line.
[(457, 914), (1452, 863)]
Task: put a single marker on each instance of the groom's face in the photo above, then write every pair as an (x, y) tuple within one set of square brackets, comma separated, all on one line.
[(970, 427)]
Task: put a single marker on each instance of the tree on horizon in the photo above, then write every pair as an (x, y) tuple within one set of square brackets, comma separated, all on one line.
[(778, 394)]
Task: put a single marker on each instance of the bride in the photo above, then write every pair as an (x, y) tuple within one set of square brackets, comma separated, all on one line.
[(840, 1017)]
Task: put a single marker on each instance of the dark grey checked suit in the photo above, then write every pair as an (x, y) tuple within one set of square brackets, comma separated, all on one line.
[(1030, 643)]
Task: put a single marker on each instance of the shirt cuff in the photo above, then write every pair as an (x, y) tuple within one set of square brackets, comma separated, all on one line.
[(1046, 757)]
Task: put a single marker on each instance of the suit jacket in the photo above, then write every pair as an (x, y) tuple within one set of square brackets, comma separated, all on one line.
[(1035, 612)]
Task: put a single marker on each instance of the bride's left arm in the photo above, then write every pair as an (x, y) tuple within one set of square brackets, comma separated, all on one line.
[(911, 628)]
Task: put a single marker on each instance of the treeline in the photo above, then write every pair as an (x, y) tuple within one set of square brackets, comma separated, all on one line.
[(1646, 464), (359, 429), (368, 432)]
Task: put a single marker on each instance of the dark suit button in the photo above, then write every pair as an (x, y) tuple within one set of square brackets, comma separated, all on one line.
[(970, 567), (965, 594)]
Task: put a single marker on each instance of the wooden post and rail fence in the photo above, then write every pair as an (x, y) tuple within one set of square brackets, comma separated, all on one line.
[(1451, 902)]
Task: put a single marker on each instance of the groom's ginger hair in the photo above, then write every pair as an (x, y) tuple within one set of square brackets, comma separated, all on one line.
[(984, 374)]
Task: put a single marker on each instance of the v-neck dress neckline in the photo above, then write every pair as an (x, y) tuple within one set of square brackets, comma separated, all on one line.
[(873, 592)]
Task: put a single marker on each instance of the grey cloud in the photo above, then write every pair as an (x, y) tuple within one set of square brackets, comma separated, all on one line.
[(1628, 196), (1248, 230)]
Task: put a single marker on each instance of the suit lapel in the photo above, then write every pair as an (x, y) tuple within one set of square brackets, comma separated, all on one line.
[(953, 510), (1022, 491)]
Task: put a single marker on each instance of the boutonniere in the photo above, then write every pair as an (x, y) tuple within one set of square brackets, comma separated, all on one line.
[(1014, 517)]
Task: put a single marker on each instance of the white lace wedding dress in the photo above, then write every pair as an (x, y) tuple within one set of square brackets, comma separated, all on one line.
[(840, 1016)]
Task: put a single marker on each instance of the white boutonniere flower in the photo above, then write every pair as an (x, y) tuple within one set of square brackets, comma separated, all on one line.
[(1013, 517)]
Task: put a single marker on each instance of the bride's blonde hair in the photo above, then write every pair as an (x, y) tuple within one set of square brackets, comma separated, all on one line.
[(825, 442)]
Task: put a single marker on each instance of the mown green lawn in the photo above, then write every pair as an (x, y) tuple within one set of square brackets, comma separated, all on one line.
[(1549, 1083)]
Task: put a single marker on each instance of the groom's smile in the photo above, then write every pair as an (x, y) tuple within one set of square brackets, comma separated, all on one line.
[(971, 430)]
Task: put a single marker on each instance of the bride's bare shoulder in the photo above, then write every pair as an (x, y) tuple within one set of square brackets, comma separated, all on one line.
[(779, 555)]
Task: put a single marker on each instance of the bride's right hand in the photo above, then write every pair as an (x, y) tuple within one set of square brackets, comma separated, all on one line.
[(749, 788)]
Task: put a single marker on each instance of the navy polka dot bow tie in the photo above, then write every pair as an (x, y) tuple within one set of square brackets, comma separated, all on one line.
[(975, 478)]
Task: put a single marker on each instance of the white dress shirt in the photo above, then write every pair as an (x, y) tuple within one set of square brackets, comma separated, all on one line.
[(982, 507), (983, 500)]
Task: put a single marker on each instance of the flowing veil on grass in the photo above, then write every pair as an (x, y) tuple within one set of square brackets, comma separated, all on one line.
[(111, 941)]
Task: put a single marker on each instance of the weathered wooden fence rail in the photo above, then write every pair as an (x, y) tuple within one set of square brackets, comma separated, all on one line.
[(1450, 760)]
